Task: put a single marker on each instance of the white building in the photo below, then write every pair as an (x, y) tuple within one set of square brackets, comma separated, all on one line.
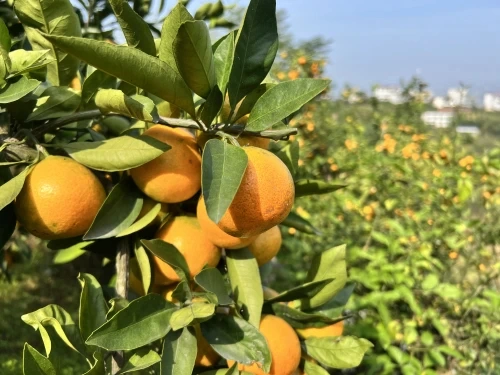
[(459, 97), (491, 102), (437, 119), (391, 94), (473, 130), (439, 102)]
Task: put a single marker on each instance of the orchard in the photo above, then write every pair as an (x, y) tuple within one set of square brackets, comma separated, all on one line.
[(170, 158)]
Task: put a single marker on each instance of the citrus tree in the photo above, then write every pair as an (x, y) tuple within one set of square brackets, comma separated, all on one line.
[(154, 155)]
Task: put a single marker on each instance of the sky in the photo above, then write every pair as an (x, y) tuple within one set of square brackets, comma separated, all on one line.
[(384, 41)]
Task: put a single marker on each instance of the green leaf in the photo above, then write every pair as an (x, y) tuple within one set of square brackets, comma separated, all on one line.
[(430, 282), (334, 307), (145, 267), (60, 320), (141, 359), (327, 265), (244, 275), (68, 251), (41, 19), (282, 100), (235, 339), (27, 61), (437, 358), (211, 280), (14, 91), (5, 44), (223, 59), (339, 352), (194, 313), (290, 156), (223, 167), (169, 31), (35, 363), (155, 76), (98, 365), (300, 319), (142, 222), (249, 102), (194, 57), (116, 154), (93, 83), (179, 352), (305, 187), (307, 290), (143, 321), (136, 106), (55, 102), (427, 338), (8, 220), (202, 11), (11, 189), (117, 304), (293, 220), (120, 209), (136, 30), (216, 10), (311, 368), (255, 49), (212, 106), (170, 255), (93, 306)]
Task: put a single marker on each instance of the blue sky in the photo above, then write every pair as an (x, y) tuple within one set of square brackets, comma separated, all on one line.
[(383, 41)]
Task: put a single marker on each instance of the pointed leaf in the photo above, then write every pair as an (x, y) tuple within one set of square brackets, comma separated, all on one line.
[(255, 50), (212, 106), (155, 76), (93, 306), (57, 17), (69, 254), (194, 57), (169, 254), (194, 313), (235, 339), (143, 321), (35, 363), (211, 280), (141, 359), (179, 352), (55, 102), (137, 106), (223, 59), (300, 319), (290, 156), (169, 30), (329, 264), (145, 267), (27, 61), (11, 189), (143, 222), (5, 44), (282, 100), (305, 187), (244, 275), (134, 27), (116, 154), (248, 103), (339, 352), (223, 167), (336, 305), (306, 290), (120, 209), (16, 90)]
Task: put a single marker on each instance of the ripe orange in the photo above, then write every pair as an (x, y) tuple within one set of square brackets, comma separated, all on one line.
[(184, 232), (266, 245), (264, 198), (333, 330), (206, 355), (217, 235), (60, 199), (283, 344), (175, 176)]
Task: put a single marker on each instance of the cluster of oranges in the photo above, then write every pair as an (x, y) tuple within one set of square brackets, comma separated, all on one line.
[(61, 198)]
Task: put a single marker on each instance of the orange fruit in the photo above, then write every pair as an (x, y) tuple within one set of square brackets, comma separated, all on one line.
[(206, 355), (332, 330), (266, 245), (174, 176), (60, 199), (283, 344), (184, 232), (217, 235), (264, 198)]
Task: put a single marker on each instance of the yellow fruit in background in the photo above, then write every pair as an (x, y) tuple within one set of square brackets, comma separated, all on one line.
[(264, 198), (283, 344), (175, 176), (206, 355), (216, 235), (184, 232), (332, 330), (60, 199), (167, 292), (266, 245)]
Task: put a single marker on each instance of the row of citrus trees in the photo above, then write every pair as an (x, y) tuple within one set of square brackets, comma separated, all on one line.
[(419, 213)]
